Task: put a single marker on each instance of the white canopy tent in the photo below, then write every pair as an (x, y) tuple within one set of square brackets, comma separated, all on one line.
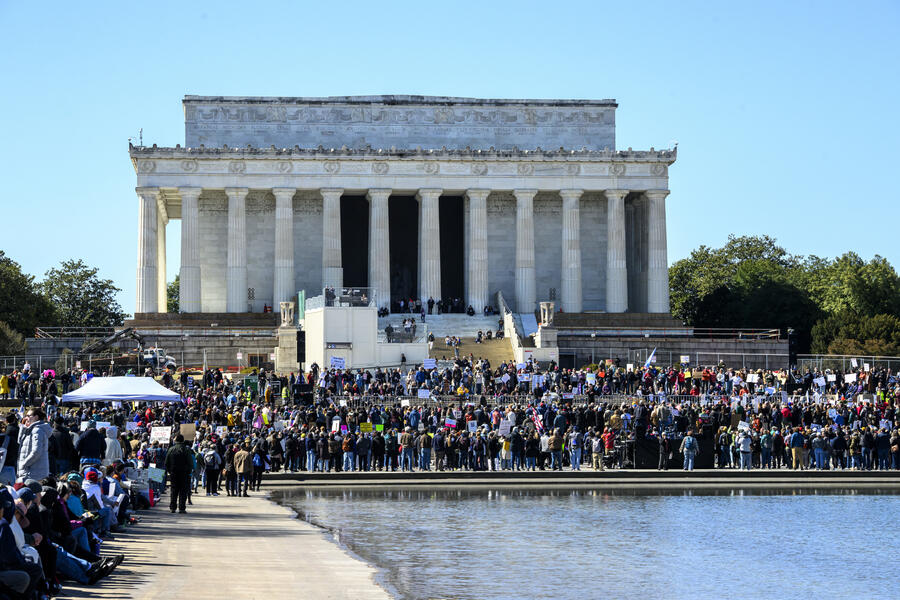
[(122, 389)]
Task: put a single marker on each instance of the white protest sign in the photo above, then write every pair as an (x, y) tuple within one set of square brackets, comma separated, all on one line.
[(222, 430), (831, 378), (854, 363), (752, 378), (102, 424), (77, 364), (457, 413), (424, 393), (472, 426), (279, 425), (404, 402), (685, 359), (161, 434), (342, 402), (743, 425), (505, 378), (430, 363), (866, 367), (131, 426), (850, 378), (240, 356), (505, 427), (629, 367), (819, 381), (520, 366), (336, 424), (337, 362)]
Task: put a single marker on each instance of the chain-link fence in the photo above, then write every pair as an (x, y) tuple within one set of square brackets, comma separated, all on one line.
[(845, 363), (578, 357)]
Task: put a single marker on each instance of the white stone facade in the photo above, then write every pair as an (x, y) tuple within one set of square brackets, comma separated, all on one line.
[(583, 225)]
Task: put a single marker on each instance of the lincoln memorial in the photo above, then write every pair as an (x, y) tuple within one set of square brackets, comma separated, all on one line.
[(410, 196)]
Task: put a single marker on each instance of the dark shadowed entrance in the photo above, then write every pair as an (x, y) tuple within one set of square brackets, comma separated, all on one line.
[(451, 215), (355, 240), (403, 212)]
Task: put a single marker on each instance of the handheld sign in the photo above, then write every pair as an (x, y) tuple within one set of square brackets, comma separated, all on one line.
[(472, 426), (430, 363), (337, 362), (424, 393), (365, 427), (161, 434)]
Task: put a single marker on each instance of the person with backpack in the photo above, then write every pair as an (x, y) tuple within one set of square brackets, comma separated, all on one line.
[(689, 448), (213, 463)]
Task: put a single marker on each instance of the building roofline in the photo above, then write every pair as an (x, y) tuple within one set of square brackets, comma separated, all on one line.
[(399, 99)]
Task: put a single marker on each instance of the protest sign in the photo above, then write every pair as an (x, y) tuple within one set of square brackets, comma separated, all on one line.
[(520, 366), (279, 425), (157, 475), (457, 413), (161, 434), (743, 425), (819, 381), (336, 424), (866, 367), (850, 378), (187, 430), (854, 363), (404, 402), (685, 359), (379, 427), (505, 427), (590, 378), (424, 393), (472, 426), (131, 426), (222, 430), (629, 367), (365, 427), (448, 422), (429, 363), (342, 402), (752, 378), (885, 424), (102, 424), (831, 378), (505, 377), (337, 362)]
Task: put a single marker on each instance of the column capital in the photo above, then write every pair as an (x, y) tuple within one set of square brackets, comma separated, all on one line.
[(147, 191), (478, 193), (288, 192), (615, 194), (525, 194), (191, 192), (236, 191), (429, 192), (378, 193), (331, 191), (656, 194), (571, 194)]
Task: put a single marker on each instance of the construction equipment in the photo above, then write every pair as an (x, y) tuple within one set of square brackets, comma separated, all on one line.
[(154, 358)]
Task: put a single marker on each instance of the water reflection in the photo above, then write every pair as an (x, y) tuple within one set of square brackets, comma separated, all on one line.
[(500, 543)]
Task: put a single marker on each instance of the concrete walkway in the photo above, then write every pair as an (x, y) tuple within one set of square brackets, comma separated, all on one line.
[(229, 547)]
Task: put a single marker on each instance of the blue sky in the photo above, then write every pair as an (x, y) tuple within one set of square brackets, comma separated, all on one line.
[(784, 112)]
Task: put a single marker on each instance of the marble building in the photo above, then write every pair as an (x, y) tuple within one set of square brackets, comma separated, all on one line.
[(413, 196)]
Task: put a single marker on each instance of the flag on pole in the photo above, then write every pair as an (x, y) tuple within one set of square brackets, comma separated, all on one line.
[(650, 358)]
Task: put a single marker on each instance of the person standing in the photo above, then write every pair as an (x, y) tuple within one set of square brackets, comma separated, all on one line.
[(213, 463), (689, 448), (243, 466), (34, 447), (178, 467), (796, 444), (664, 449)]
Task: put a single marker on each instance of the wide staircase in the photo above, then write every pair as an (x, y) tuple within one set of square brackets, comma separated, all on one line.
[(496, 351)]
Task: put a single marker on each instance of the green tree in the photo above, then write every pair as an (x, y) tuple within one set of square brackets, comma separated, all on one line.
[(11, 341), (850, 284), (172, 294), (22, 307), (81, 297)]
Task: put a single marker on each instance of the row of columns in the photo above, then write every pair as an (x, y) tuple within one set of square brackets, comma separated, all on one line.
[(151, 284)]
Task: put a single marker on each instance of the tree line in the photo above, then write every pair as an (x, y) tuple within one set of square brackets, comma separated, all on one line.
[(845, 305), (70, 295)]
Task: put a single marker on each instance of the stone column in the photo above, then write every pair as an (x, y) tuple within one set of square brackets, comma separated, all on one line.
[(657, 263), (379, 246), (162, 289), (525, 281), (478, 250), (616, 263), (332, 269), (571, 251), (236, 274), (147, 279), (189, 298), (429, 245), (284, 288)]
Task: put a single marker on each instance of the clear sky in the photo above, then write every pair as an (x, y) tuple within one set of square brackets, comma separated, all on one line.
[(785, 113)]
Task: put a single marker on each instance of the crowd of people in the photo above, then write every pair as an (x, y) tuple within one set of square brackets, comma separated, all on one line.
[(66, 470)]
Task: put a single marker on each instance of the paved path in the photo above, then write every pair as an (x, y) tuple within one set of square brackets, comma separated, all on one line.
[(229, 548)]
